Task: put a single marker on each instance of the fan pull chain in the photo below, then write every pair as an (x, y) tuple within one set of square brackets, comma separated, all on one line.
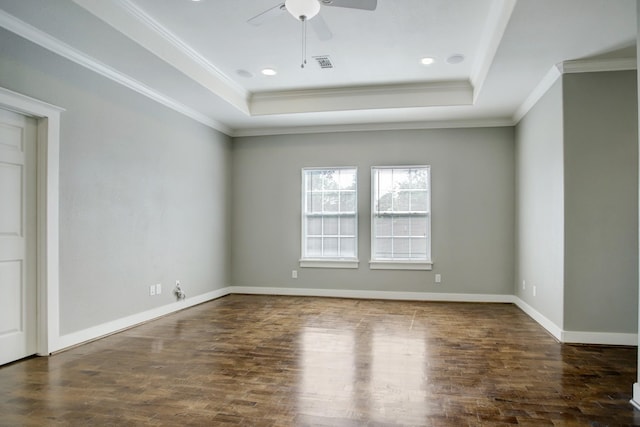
[(304, 41)]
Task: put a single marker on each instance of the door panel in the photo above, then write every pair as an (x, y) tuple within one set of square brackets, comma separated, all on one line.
[(18, 333), (11, 192), (11, 280)]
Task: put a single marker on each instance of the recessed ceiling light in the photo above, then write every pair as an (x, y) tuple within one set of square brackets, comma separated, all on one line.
[(455, 59), (269, 72), (427, 60)]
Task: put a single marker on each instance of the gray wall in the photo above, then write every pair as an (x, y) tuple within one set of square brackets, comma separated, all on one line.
[(540, 206), (472, 208), (577, 203), (144, 191), (601, 201)]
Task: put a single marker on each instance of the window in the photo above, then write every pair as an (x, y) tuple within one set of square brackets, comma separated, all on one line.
[(329, 218), (400, 218)]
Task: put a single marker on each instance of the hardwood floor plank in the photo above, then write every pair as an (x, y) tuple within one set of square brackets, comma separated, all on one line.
[(292, 361)]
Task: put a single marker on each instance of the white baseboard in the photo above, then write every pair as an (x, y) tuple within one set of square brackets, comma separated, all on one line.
[(388, 295), (574, 337), (604, 338), (636, 396), (95, 332), (550, 326)]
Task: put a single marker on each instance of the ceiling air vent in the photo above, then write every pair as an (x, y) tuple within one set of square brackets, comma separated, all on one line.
[(324, 61)]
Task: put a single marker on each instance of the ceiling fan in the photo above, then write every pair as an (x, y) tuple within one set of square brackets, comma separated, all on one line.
[(305, 10)]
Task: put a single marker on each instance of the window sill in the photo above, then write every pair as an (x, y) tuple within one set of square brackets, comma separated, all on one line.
[(329, 263), (400, 265)]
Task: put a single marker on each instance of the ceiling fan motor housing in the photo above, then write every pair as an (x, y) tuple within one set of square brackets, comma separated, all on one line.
[(302, 10)]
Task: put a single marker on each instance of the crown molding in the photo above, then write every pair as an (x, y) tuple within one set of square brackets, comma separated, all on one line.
[(598, 65), (448, 93), (538, 92), (133, 22), (42, 39), (571, 67), (145, 19), (368, 127)]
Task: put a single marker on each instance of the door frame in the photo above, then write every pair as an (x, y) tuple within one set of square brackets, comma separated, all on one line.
[(47, 223)]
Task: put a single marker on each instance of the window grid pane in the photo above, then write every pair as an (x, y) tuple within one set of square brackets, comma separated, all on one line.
[(329, 213), (400, 211)]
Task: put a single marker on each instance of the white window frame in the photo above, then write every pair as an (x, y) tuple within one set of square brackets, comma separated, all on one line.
[(400, 263), (327, 262)]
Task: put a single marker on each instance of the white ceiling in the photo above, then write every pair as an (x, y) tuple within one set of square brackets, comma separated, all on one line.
[(204, 59)]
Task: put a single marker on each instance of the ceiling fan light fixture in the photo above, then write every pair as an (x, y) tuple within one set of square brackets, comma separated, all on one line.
[(302, 9)]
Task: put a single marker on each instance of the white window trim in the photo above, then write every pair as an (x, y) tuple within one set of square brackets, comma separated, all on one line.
[(329, 263), (400, 264), (350, 263)]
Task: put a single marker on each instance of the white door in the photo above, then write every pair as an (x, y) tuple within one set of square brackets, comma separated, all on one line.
[(18, 329)]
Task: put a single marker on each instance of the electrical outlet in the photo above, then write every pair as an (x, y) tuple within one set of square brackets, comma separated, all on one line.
[(524, 285), (438, 278), (294, 274), (152, 290), (534, 290), (158, 288), (178, 292)]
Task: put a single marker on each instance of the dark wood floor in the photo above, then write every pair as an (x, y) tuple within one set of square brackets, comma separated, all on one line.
[(288, 361)]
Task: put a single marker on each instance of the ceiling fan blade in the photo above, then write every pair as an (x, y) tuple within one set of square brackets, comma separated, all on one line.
[(320, 27), (352, 4), (267, 15)]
